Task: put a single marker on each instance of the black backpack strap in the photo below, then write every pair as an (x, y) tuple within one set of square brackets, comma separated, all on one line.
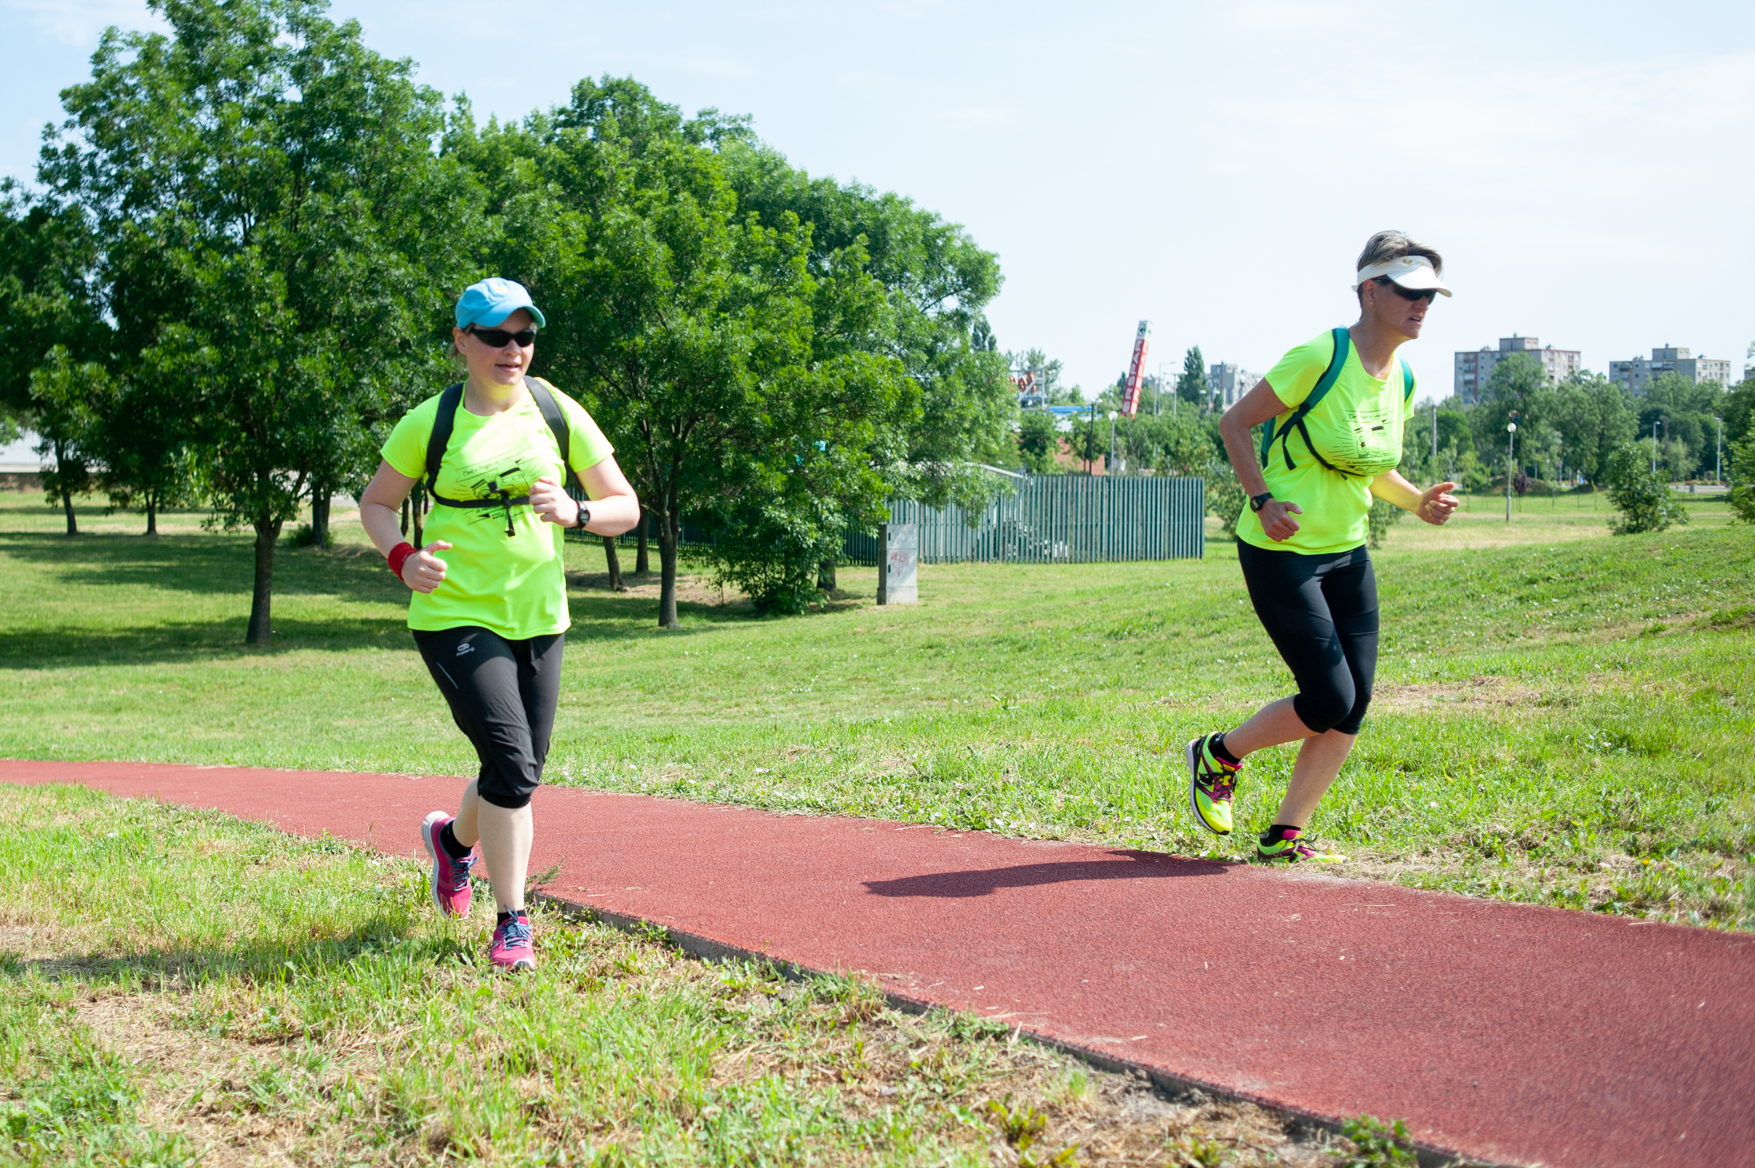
[(1337, 359), (557, 422), (444, 419)]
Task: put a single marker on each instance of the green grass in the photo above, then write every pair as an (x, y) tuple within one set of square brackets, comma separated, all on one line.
[(177, 987), (1562, 716)]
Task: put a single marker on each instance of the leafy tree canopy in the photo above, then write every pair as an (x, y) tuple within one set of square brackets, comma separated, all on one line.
[(274, 233), (774, 354)]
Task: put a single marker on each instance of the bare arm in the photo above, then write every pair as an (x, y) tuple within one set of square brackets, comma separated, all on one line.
[(1251, 410), (1434, 505), (1246, 413), (614, 506), (380, 503)]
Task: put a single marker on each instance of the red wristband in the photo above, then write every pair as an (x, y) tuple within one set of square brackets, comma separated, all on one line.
[(399, 556)]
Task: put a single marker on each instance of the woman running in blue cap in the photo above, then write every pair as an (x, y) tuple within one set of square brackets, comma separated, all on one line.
[(489, 614), (1333, 410)]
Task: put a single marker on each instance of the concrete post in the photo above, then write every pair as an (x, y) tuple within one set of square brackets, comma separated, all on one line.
[(899, 546)]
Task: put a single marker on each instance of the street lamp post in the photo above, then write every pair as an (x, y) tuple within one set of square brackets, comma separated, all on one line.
[(1111, 463), (1718, 456), (1510, 460)]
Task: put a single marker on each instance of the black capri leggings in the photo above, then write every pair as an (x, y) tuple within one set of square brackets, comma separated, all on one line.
[(502, 695), (1321, 612)]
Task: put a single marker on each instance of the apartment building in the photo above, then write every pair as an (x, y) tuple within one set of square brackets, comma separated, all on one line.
[(1474, 368), (1227, 383), (1636, 374)]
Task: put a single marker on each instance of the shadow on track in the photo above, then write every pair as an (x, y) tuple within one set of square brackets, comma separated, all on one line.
[(984, 882)]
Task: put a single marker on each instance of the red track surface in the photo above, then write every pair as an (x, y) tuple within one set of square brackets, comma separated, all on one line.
[(1512, 1033)]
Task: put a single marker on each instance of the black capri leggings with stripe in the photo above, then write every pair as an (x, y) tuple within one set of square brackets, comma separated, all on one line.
[(1321, 613), (502, 695)]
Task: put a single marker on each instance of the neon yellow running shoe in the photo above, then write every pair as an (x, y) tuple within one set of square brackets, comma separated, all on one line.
[(1211, 781), (1292, 849)]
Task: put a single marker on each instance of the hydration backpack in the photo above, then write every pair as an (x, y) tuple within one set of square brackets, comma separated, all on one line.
[(1343, 346), (445, 420)]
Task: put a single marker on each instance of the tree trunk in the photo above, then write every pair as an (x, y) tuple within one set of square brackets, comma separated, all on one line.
[(420, 498), (642, 565), (66, 495), (615, 565), (826, 576), (261, 631), (320, 519), (669, 535), (405, 517), (152, 512)]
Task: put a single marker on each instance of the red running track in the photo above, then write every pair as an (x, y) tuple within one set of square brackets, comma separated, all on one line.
[(1512, 1033)]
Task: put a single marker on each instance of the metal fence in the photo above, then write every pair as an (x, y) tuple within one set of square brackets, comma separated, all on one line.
[(1060, 519)]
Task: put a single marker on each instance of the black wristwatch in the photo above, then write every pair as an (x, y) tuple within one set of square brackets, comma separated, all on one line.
[(584, 518), (1257, 502)]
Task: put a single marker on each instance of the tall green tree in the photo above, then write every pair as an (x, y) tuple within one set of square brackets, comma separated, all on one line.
[(1683, 409), (1038, 442), (1192, 386), (1594, 418), (1175, 444), (1518, 389), (50, 323), (1739, 411), (936, 284), (773, 354), (735, 364), (275, 230), (67, 403)]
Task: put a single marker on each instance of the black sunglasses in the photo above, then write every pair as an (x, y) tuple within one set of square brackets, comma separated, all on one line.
[(500, 338), (1426, 294)]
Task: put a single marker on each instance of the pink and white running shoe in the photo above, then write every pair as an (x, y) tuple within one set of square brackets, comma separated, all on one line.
[(513, 946), (450, 880)]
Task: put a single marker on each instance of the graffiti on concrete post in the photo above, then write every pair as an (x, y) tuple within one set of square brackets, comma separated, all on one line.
[(900, 556)]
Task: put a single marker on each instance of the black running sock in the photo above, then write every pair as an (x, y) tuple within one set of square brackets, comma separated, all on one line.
[(1216, 744), (503, 916), (1278, 832), (448, 841)]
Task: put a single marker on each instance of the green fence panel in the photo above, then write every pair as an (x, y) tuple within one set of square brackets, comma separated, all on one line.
[(1061, 519)]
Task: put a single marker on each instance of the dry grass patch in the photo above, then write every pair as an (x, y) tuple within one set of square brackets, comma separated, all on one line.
[(1475, 695)]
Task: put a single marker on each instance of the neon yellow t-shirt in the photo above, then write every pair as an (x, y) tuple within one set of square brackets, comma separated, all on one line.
[(1357, 423), (513, 584)]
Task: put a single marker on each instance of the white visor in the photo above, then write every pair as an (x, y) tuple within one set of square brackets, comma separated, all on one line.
[(1411, 272)]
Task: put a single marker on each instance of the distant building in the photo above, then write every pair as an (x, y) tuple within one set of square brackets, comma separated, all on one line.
[(1227, 383), (1473, 369), (1636, 374)]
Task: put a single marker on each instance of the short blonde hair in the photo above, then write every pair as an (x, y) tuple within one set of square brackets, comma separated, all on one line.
[(1394, 245)]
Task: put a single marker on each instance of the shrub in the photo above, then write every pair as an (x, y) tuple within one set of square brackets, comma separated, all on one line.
[(1383, 516), (1641, 496), (1225, 497), (1743, 479)]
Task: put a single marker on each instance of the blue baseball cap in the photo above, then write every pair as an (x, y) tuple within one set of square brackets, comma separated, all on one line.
[(489, 302)]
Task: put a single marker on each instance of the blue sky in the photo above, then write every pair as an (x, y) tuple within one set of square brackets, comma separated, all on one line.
[(1586, 169)]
